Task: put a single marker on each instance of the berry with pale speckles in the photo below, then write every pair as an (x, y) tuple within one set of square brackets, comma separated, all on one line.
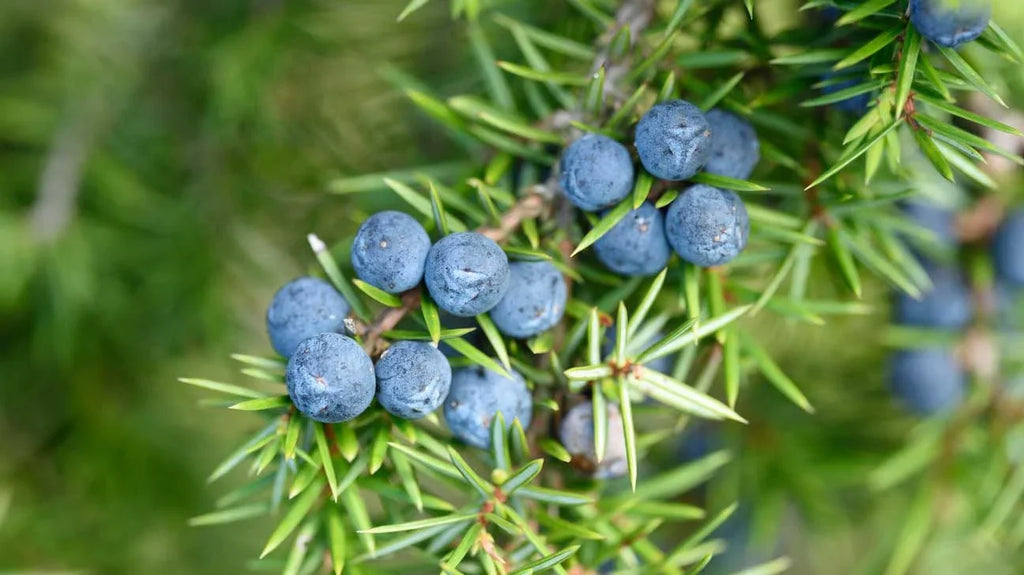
[(636, 245), (596, 172), (466, 274), (477, 395), (673, 140), (707, 226), (330, 378), (534, 302), (390, 250), (413, 379)]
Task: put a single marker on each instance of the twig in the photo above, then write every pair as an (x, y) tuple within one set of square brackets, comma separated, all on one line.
[(637, 15), (60, 181), (529, 206), (387, 320)]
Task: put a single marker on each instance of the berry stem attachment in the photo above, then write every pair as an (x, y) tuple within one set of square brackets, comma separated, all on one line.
[(387, 320)]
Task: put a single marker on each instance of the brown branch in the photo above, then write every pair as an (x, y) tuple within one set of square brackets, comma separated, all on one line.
[(332, 439), (387, 320), (529, 206)]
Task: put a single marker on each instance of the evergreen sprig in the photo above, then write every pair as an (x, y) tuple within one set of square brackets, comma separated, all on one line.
[(378, 493)]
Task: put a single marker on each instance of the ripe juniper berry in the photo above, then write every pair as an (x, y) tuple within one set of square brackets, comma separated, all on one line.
[(735, 149), (636, 246), (673, 140), (413, 379), (477, 395), (390, 250), (534, 302), (303, 308), (330, 378), (596, 172), (707, 226), (466, 273)]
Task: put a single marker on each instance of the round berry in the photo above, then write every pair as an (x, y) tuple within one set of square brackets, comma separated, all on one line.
[(390, 250), (1006, 250), (577, 435), (950, 23), (928, 380), (700, 439), (467, 274), (947, 305), (413, 379), (735, 149), (330, 378), (707, 226), (941, 222), (303, 308), (636, 246), (673, 140), (477, 395), (596, 172), (534, 302)]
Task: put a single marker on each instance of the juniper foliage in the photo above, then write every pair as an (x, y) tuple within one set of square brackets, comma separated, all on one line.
[(381, 494)]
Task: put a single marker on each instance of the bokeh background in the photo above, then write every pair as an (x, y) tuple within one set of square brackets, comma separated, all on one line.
[(160, 165)]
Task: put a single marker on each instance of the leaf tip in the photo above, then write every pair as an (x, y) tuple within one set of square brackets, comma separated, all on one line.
[(316, 244)]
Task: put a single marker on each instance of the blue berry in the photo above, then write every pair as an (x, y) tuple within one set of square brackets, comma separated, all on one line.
[(413, 378), (947, 305), (577, 435), (941, 222), (950, 23), (596, 172), (735, 149), (330, 378), (303, 308), (390, 250), (1006, 249), (636, 246), (700, 439), (928, 381), (467, 274), (534, 302), (673, 140), (707, 226), (830, 14), (477, 395)]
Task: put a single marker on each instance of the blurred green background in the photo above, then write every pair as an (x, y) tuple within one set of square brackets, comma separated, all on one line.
[(160, 165)]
